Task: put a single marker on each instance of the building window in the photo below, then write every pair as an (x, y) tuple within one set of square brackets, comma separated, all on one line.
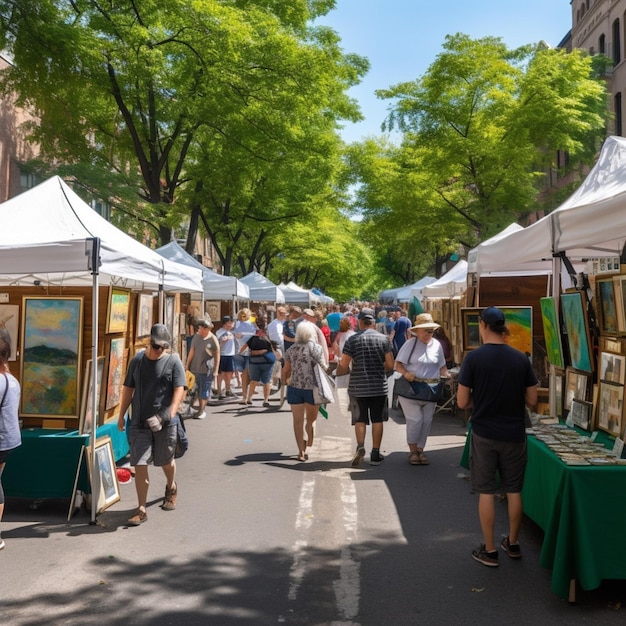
[(602, 44), (102, 208), (618, 114), (617, 43), (27, 181)]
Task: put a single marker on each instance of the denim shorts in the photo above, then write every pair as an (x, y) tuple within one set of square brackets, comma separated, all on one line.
[(299, 396), (261, 373), (204, 385)]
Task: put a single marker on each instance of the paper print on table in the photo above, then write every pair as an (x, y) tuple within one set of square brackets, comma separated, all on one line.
[(610, 405), (116, 373), (606, 306), (117, 316), (519, 321), (552, 332), (581, 414), (612, 368), (575, 321), (105, 488), (9, 315), (51, 345), (144, 314), (86, 414)]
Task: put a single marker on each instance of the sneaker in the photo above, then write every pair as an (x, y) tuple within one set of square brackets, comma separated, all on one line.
[(221, 397), (2, 544), (357, 459), (512, 549), (376, 459), (138, 518), (200, 415), (490, 559), (266, 404), (169, 503), (230, 394)]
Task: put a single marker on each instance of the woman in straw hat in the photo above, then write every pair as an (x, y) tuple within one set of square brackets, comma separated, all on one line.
[(420, 358)]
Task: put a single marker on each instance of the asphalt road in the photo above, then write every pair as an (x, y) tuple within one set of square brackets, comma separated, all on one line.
[(259, 538)]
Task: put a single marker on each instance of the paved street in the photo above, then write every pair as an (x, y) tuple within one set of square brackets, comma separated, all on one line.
[(259, 538)]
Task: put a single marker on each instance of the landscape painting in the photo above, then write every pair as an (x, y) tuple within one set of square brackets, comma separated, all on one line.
[(51, 345)]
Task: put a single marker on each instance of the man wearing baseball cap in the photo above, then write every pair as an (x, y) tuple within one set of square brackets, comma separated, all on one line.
[(497, 382)]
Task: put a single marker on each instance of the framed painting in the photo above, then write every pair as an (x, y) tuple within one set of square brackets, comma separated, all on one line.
[(471, 333), (86, 414), (612, 368), (105, 487), (577, 329), (619, 288), (170, 302), (610, 405), (519, 321), (606, 309), (213, 311), (115, 374), (144, 314), (51, 344), (576, 386), (9, 315), (557, 393), (581, 414), (117, 314), (552, 332)]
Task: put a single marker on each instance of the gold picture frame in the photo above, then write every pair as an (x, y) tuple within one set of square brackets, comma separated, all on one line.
[(106, 489), (117, 313)]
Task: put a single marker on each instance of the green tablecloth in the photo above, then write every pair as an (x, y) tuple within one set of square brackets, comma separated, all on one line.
[(45, 465), (582, 511)]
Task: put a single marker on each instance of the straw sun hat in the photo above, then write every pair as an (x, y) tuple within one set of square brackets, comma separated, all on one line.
[(423, 320)]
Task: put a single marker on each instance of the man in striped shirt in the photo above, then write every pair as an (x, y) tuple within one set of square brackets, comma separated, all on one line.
[(371, 356)]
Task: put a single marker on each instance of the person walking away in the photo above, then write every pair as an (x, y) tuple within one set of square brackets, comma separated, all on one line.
[(370, 356), (421, 358), (309, 316), (381, 324), (226, 340), (345, 332), (289, 326), (299, 376), (10, 435), (154, 387), (399, 332), (262, 359), (498, 383), (203, 362), (333, 320), (244, 329)]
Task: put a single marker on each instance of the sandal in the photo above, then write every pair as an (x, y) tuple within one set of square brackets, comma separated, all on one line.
[(303, 457), (414, 458), (423, 459)]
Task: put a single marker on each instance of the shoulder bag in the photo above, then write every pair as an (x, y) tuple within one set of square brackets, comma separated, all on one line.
[(324, 390), (423, 389)]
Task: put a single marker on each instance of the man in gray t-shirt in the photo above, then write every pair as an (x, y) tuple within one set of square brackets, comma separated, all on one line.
[(371, 356)]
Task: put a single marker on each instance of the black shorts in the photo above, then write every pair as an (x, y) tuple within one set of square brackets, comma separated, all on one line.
[(490, 458), (227, 364), (370, 409)]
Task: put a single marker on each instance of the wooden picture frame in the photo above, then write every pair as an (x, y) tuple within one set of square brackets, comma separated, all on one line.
[(576, 386), (519, 321), (619, 286), (469, 324), (213, 309), (117, 313), (606, 309), (556, 393), (115, 373), (552, 332), (51, 343), (577, 328), (612, 368), (170, 304), (106, 489), (582, 412), (85, 422), (9, 320), (145, 304), (616, 345), (610, 408)]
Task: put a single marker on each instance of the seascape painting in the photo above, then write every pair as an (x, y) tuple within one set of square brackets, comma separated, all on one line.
[(51, 344)]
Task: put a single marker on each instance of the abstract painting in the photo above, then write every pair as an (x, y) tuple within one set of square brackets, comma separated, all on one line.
[(575, 321), (552, 332)]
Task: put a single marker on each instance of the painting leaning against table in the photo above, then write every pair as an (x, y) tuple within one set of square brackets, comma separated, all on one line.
[(51, 346)]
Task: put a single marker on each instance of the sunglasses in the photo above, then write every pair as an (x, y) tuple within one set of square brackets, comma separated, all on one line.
[(155, 347)]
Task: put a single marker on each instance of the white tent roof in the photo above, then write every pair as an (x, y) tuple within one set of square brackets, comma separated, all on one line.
[(298, 295), (406, 293), (44, 234), (262, 289), (590, 223), (214, 286), (452, 283)]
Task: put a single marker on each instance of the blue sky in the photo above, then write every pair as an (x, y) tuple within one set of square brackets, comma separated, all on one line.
[(401, 38)]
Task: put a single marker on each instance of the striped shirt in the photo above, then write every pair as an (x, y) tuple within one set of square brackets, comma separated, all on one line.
[(367, 349)]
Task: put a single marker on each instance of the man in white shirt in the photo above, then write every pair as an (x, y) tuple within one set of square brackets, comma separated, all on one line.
[(275, 328)]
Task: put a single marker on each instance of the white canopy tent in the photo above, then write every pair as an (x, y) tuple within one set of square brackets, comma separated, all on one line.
[(406, 293), (453, 283), (262, 289), (298, 295), (590, 223), (49, 235), (214, 286)]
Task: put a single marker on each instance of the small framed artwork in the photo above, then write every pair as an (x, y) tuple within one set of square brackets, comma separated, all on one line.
[(51, 344), (105, 487), (612, 368), (471, 332), (616, 345), (581, 412), (213, 310), (115, 377), (145, 303), (181, 325), (556, 393), (85, 423), (519, 321), (607, 311), (117, 315), (552, 332), (619, 284), (576, 326), (170, 302), (9, 315), (610, 405), (576, 386)]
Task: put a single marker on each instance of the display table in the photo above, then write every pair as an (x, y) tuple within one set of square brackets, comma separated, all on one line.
[(582, 511), (44, 466)]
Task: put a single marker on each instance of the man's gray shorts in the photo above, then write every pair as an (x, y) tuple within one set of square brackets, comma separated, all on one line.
[(147, 447)]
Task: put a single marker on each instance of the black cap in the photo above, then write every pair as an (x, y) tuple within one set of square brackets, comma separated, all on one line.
[(492, 316), (227, 318), (367, 314), (160, 336)]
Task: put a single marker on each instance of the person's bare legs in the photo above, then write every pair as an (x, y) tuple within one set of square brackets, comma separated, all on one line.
[(311, 416), (360, 430), (142, 482), (514, 504), (267, 387), (245, 381), (170, 473), (487, 517), (377, 434), (251, 387), (297, 411)]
